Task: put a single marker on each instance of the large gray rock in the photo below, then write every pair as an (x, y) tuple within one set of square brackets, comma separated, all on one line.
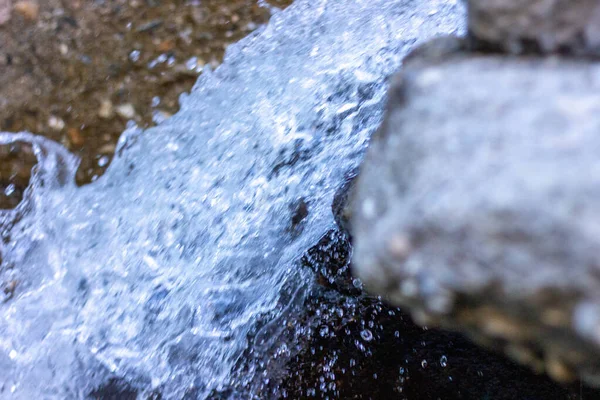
[(478, 205), (517, 26)]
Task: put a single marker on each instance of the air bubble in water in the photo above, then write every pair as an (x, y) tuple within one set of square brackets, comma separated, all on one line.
[(367, 335), (424, 364), (444, 361)]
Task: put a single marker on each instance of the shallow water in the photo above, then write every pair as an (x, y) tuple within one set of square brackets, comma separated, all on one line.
[(156, 273)]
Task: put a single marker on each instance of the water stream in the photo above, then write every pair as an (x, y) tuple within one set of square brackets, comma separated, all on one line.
[(156, 272)]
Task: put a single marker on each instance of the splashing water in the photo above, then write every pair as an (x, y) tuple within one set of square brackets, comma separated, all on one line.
[(155, 273)]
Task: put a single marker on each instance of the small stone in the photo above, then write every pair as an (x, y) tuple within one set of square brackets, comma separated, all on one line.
[(197, 16), (556, 318), (108, 148), (149, 26), (498, 325), (56, 123), (558, 370), (63, 48), (75, 137), (27, 9), (126, 111), (165, 45), (5, 6), (106, 109)]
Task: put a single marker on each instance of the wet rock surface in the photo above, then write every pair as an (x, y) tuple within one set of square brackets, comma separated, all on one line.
[(518, 26), (342, 343), (477, 205)]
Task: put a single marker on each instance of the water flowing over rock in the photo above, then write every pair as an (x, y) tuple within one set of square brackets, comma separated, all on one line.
[(477, 204), (154, 275)]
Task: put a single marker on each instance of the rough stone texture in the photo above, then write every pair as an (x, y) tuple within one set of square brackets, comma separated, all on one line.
[(5, 6), (478, 203), (517, 26)]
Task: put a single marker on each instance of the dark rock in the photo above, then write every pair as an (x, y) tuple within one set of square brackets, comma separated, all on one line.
[(518, 26), (341, 343), (114, 389), (341, 207), (477, 205)]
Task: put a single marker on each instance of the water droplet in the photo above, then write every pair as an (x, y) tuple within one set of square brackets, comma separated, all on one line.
[(134, 55), (357, 283), (103, 161), (10, 189), (191, 63), (444, 361), (424, 364), (366, 335)]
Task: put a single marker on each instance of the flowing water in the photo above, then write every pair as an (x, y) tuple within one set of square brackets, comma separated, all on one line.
[(156, 273)]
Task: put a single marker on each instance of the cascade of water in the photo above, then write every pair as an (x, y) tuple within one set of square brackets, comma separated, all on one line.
[(156, 272)]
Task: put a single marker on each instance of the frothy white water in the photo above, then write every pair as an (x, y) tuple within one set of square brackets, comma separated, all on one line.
[(156, 272)]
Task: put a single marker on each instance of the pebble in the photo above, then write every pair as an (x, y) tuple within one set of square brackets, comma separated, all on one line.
[(150, 26), (197, 16), (56, 123), (75, 137), (5, 6), (29, 10), (165, 45), (108, 148), (106, 109), (63, 48), (558, 370), (126, 111)]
